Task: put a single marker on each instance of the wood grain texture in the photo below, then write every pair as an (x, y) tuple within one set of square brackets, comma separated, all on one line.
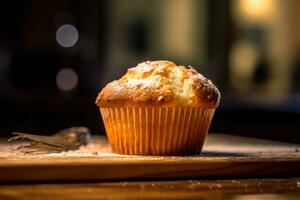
[(223, 156), (243, 189)]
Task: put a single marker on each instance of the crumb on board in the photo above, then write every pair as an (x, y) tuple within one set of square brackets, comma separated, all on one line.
[(98, 147)]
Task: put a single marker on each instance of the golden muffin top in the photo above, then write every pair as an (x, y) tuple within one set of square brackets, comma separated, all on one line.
[(160, 83)]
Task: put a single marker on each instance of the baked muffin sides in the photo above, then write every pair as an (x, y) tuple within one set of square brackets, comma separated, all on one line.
[(158, 108), (160, 83)]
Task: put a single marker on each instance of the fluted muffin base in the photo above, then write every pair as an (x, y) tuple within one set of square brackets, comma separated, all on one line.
[(156, 130)]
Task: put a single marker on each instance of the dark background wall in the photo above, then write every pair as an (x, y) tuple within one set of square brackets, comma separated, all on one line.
[(55, 56)]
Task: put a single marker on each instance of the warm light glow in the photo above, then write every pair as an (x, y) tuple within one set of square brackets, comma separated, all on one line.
[(66, 79), (67, 35), (243, 58), (256, 10), (179, 42)]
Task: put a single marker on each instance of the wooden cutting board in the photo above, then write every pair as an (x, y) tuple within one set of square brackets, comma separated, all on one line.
[(223, 156)]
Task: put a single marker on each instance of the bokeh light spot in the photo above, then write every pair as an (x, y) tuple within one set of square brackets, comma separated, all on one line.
[(67, 35), (66, 79)]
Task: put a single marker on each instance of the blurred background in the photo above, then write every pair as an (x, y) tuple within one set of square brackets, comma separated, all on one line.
[(55, 56)]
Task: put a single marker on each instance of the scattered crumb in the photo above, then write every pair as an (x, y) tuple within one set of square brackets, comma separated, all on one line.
[(153, 185)]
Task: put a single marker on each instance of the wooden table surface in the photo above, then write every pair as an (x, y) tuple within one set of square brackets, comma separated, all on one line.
[(230, 167), (237, 189), (223, 156)]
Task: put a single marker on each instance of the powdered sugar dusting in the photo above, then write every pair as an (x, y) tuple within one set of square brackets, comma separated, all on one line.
[(150, 82)]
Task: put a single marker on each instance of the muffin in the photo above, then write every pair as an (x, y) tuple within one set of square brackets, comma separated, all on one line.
[(158, 108)]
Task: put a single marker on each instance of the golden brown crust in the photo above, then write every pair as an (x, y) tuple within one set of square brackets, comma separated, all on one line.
[(160, 83)]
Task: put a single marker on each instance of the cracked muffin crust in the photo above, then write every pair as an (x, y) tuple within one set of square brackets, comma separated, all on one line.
[(161, 83)]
